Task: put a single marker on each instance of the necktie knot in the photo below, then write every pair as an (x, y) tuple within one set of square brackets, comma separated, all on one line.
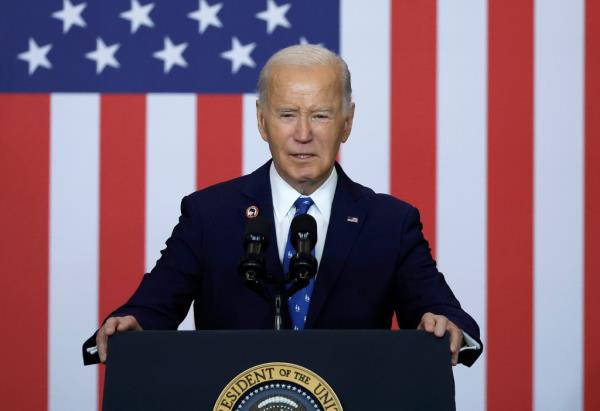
[(302, 205)]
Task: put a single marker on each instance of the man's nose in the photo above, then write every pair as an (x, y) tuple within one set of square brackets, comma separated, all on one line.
[(303, 129)]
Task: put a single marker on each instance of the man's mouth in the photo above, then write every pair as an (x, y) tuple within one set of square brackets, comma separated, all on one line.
[(302, 156)]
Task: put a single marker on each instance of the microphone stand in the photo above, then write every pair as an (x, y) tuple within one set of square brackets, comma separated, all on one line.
[(278, 318), (255, 275), (280, 294)]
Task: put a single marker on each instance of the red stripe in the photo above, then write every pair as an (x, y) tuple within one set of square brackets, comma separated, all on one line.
[(24, 210), (122, 200), (219, 139), (510, 205), (592, 207), (413, 107)]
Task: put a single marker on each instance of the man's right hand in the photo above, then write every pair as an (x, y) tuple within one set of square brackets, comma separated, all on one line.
[(112, 326)]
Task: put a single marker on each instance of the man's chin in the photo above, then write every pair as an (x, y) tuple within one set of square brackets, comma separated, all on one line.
[(304, 180), (304, 173), (307, 184)]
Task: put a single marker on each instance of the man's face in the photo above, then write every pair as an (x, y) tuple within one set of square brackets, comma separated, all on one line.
[(304, 121)]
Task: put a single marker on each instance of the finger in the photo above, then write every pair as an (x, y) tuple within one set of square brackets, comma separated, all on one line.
[(125, 324), (454, 358), (456, 337), (441, 324), (101, 344), (135, 325), (456, 340), (428, 322), (110, 326), (128, 323)]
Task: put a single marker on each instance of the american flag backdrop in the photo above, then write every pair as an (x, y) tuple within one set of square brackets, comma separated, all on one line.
[(483, 114)]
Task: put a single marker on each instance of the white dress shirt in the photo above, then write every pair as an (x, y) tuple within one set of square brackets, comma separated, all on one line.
[(284, 196)]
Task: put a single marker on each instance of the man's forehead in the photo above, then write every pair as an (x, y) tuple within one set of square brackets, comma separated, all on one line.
[(303, 80), (322, 73)]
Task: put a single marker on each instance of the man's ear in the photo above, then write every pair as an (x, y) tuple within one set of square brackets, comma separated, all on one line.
[(260, 119), (348, 123)]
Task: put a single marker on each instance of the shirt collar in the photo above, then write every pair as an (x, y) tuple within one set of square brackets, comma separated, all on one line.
[(284, 195)]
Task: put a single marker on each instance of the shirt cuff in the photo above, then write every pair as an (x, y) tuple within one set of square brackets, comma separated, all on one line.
[(469, 343)]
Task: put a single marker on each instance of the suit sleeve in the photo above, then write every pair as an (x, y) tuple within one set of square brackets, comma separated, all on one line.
[(421, 288), (164, 295)]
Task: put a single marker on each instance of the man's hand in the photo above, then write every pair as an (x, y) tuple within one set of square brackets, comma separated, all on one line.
[(438, 325), (112, 326)]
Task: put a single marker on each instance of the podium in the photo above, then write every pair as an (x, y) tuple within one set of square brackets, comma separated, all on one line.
[(353, 370)]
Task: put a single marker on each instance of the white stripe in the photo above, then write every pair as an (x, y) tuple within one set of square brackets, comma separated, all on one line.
[(255, 150), (365, 45), (74, 208), (461, 170), (170, 169), (558, 202)]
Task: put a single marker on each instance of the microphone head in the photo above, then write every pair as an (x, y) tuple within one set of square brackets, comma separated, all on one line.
[(257, 230), (304, 227)]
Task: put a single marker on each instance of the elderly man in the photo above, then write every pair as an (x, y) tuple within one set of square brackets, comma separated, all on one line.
[(373, 259)]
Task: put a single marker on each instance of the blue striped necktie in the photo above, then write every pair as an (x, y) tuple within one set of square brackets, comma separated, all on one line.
[(298, 303)]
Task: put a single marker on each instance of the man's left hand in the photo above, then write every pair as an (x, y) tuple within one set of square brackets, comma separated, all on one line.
[(438, 325)]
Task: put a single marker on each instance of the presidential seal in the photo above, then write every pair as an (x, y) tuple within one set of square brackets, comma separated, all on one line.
[(277, 386)]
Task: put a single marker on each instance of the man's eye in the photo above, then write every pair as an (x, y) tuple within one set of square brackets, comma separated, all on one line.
[(286, 115), (321, 116)]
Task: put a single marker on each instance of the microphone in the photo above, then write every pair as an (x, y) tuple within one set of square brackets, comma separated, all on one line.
[(303, 265), (256, 239)]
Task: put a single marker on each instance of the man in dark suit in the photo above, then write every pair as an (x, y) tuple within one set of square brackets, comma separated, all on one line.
[(373, 259)]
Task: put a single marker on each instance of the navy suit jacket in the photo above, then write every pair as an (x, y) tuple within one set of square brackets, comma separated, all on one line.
[(375, 261)]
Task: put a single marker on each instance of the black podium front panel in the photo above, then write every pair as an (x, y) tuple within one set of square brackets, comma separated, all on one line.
[(367, 370)]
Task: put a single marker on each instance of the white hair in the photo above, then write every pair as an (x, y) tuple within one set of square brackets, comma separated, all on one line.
[(305, 55)]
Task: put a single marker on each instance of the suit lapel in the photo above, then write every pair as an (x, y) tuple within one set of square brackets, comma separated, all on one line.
[(347, 217)]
